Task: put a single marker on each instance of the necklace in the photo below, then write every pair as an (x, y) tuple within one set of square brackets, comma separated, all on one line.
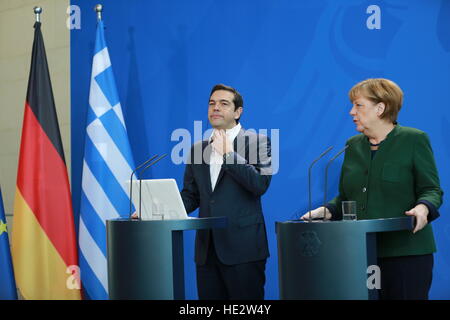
[(375, 144)]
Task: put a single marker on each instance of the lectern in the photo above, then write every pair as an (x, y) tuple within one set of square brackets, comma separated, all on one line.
[(328, 260), (146, 258)]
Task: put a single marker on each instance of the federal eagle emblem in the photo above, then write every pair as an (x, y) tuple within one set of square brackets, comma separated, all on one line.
[(309, 243)]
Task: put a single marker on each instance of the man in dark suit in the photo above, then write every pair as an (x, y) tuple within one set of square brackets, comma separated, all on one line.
[(226, 175)]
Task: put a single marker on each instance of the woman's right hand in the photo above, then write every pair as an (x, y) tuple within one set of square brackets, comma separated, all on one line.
[(317, 214)]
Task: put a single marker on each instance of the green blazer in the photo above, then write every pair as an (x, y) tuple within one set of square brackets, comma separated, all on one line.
[(402, 173)]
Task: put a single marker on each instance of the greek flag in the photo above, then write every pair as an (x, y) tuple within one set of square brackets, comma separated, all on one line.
[(107, 165)]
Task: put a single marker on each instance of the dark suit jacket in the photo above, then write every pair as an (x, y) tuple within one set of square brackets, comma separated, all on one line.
[(402, 174), (243, 179)]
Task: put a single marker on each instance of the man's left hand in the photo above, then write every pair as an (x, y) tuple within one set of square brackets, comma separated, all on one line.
[(421, 213), (220, 143)]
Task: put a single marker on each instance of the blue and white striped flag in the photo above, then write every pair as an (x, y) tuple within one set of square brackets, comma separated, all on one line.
[(107, 165)]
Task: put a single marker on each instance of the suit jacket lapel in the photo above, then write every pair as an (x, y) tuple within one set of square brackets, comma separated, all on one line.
[(239, 144), (206, 154)]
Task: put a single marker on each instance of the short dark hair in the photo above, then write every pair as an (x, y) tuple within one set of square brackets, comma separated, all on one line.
[(237, 100)]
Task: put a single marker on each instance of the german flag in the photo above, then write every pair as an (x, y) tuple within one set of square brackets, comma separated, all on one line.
[(44, 246)]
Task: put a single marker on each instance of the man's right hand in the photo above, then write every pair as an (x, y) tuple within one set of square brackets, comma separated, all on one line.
[(317, 214)]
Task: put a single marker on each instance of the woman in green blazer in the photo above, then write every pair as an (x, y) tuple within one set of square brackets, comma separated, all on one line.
[(389, 170)]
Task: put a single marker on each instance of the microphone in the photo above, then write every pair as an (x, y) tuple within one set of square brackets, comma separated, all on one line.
[(326, 178), (131, 182), (140, 181), (309, 178)]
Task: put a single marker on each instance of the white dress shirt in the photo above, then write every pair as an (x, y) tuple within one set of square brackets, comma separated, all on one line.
[(216, 160)]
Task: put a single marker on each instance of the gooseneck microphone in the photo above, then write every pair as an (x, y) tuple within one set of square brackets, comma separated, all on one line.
[(309, 178), (326, 179), (131, 181), (140, 182)]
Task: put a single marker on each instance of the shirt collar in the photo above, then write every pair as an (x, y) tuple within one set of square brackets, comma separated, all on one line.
[(231, 133)]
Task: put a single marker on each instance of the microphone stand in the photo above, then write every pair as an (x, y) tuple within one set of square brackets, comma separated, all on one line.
[(131, 182), (309, 178), (326, 179), (140, 182)]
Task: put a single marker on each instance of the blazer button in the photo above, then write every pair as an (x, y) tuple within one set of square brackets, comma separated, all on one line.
[(364, 189)]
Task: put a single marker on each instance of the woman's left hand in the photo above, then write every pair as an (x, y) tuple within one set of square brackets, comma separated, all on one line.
[(421, 213)]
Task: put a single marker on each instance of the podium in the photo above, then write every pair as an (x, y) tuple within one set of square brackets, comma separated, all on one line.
[(329, 260), (146, 258)]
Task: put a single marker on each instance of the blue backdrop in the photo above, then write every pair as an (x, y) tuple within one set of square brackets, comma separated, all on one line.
[(293, 61)]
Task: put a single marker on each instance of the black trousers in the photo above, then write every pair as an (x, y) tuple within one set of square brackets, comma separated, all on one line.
[(406, 278), (217, 281)]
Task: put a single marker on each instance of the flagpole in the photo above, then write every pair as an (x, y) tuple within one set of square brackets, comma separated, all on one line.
[(99, 9), (37, 12), (44, 247), (107, 198)]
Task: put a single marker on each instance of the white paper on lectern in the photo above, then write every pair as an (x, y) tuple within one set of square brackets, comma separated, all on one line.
[(159, 196)]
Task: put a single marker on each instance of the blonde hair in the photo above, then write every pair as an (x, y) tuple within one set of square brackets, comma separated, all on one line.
[(380, 90)]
